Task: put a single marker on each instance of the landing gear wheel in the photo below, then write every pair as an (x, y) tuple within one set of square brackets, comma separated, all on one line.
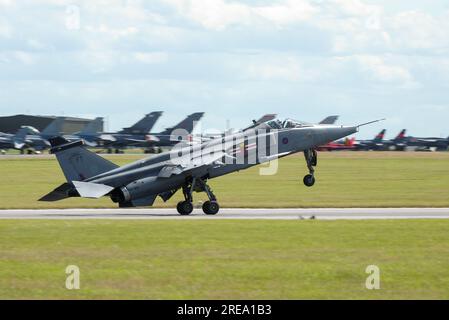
[(309, 180), (211, 207), (184, 208)]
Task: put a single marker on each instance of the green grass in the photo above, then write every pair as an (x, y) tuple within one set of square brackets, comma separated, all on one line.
[(343, 180), (224, 259)]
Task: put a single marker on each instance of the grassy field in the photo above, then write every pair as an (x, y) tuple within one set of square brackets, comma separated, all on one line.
[(346, 179), (225, 259)]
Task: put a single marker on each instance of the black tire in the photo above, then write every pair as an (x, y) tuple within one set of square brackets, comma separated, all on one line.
[(309, 180), (211, 207), (184, 208)]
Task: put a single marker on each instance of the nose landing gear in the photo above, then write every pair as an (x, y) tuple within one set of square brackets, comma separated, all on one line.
[(311, 157)]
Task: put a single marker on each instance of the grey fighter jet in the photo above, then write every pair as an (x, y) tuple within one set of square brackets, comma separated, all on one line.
[(188, 168), (14, 141), (38, 141), (427, 144), (28, 138)]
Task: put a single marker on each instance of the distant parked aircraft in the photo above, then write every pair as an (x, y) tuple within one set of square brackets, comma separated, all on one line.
[(427, 144), (94, 137), (346, 144)]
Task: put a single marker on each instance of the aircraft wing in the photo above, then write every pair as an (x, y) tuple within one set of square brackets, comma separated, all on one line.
[(274, 157), (135, 140), (107, 137), (199, 163)]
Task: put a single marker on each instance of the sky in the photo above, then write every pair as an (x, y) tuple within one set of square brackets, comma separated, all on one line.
[(235, 60)]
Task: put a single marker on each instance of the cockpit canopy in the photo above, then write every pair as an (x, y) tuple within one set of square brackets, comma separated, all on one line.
[(287, 124)]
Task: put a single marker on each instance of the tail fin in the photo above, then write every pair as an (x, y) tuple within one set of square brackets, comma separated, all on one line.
[(19, 139), (93, 127), (188, 124), (329, 120), (78, 163), (54, 129), (144, 125), (401, 135), (380, 136), (22, 133)]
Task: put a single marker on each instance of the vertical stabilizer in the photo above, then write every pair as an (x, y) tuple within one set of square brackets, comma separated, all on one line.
[(144, 125), (94, 127), (78, 163), (54, 129), (188, 124)]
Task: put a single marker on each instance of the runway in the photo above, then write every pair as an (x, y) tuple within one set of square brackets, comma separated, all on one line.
[(242, 214)]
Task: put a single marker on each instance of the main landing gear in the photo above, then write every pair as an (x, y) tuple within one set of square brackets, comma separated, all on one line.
[(185, 207), (312, 161)]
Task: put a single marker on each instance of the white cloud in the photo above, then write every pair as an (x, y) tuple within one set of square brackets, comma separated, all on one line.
[(151, 57), (220, 14), (6, 3), (213, 14), (334, 54), (114, 33), (25, 58), (420, 30), (292, 11), (5, 30), (380, 70), (285, 69), (357, 8)]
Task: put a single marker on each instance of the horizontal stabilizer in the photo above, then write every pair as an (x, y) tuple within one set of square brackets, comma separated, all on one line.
[(108, 137), (60, 193), (91, 190), (18, 145)]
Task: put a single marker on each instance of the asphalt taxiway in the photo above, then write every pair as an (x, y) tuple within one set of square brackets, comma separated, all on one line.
[(250, 214)]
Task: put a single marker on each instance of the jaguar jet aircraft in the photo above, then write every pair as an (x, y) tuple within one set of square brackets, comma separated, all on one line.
[(188, 168)]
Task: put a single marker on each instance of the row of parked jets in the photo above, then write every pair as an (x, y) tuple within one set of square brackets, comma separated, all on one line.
[(140, 135), (401, 142)]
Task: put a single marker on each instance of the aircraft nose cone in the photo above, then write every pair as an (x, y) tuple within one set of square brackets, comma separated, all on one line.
[(349, 130), (340, 132)]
